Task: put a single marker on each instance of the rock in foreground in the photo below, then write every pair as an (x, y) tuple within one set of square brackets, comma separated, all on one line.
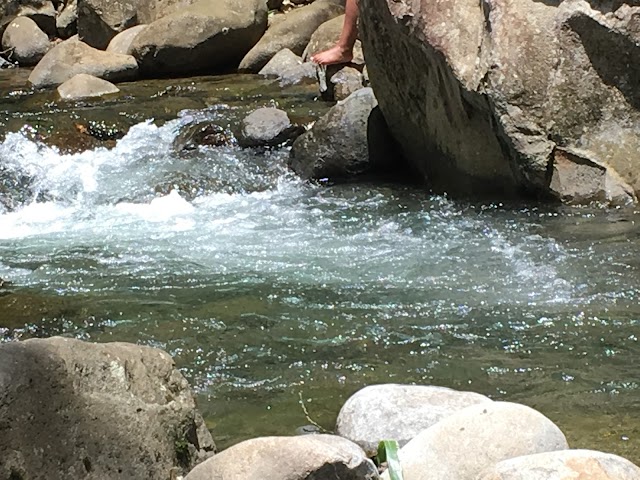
[(306, 457), (565, 465), (399, 412), (72, 409), (463, 445), (485, 97), (72, 57)]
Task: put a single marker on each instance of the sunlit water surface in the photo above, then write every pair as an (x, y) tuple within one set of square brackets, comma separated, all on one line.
[(264, 288)]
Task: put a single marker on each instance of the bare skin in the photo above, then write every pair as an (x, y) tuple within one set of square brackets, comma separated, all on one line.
[(342, 52)]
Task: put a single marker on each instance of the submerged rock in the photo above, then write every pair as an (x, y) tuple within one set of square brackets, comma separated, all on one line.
[(85, 86), (292, 32), (72, 57), (337, 146), (98, 411), (291, 458), (202, 133), (18, 309), (564, 465), (204, 37), (464, 444), (398, 412), (25, 41), (267, 127), (101, 20), (480, 95)]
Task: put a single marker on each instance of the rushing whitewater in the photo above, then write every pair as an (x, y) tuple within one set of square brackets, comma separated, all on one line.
[(263, 286)]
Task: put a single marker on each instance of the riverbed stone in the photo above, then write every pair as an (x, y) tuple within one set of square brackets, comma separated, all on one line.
[(123, 41), (564, 465), (204, 37), (42, 12), (26, 41), (289, 69), (344, 82), (72, 57), (85, 86), (289, 458), (293, 32), (336, 147), (398, 412), (201, 133), (326, 36), (101, 20), (67, 20), (112, 410), (463, 445), (267, 127), (480, 95)]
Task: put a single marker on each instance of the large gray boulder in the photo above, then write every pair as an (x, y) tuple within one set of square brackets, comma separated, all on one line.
[(398, 412), (151, 10), (101, 20), (463, 445), (203, 37), (306, 457), (85, 86), (72, 57), (487, 96), (71, 409), (293, 32), (564, 465), (25, 41), (337, 146)]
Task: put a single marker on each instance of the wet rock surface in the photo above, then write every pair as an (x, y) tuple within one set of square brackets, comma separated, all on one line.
[(99, 411), (85, 86), (267, 127)]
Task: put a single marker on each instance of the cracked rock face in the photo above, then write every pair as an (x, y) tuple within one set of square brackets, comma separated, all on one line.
[(483, 95)]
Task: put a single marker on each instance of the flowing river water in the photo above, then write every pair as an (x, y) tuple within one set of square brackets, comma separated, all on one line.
[(265, 288)]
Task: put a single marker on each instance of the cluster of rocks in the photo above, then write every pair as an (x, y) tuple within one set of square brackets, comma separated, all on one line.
[(109, 41), (123, 411)]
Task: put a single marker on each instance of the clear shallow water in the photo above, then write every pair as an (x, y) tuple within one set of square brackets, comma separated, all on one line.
[(263, 287)]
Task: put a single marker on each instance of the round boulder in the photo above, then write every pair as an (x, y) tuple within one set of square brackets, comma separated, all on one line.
[(291, 458), (326, 36), (398, 412), (464, 444), (337, 146), (98, 411), (564, 465), (267, 127), (26, 41), (292, 32), (85, 86), (204, 37), (72, 57)]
